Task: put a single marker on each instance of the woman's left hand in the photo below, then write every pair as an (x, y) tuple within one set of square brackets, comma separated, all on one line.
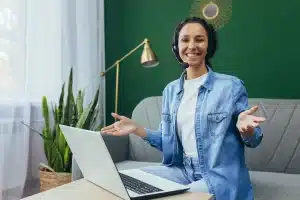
[(247, 122)]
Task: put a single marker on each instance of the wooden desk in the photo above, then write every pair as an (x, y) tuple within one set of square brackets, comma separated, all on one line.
[(83, 189)]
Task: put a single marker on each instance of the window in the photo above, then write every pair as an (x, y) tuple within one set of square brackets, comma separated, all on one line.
[(12, 54)]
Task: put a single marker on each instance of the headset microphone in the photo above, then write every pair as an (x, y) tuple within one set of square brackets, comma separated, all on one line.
[(185, 65)]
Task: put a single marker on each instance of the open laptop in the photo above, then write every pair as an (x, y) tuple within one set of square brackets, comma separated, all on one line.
[(97, 166)]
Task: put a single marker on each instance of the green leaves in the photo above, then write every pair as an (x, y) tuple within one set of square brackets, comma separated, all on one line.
[(86, 118), (79, 102), (70, 113)]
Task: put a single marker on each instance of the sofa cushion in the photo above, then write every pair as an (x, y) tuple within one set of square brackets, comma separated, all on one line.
[(128, 164), (147, 114), (279, 150), (275, 186)]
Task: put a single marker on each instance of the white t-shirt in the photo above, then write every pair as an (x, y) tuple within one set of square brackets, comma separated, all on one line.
[(186, 115)]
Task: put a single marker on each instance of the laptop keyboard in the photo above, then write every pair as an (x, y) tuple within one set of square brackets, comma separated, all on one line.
[(137, 186)]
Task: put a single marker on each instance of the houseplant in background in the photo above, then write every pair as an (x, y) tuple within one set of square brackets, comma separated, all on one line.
[(70, 111)]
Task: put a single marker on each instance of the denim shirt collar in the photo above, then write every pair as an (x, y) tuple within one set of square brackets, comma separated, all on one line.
[(208, 83)]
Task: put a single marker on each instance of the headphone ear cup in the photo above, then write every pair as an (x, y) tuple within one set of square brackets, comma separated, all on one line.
[(176, 54), (176, 51), (174, 48)]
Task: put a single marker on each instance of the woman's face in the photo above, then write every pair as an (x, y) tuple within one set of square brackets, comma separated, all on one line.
[(192, 44)]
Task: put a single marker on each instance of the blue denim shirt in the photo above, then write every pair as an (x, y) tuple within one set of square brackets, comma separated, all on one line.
[(220, 146)]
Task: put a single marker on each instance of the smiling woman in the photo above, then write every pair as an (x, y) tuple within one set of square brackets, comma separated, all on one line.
[(206, 123), (193, 44)]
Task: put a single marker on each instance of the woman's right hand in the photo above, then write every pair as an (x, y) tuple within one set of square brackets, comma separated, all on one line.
[(123, 126)]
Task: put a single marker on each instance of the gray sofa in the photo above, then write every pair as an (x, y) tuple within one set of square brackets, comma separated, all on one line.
[(274, 165)]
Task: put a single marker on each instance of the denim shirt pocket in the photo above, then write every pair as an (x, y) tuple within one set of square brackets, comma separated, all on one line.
[(216, 125), (166, 123)]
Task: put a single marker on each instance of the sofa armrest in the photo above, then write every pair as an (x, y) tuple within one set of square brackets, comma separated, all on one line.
[(118, 147)]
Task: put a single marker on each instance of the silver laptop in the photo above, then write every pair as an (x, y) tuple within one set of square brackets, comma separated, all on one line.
[(97, 166)]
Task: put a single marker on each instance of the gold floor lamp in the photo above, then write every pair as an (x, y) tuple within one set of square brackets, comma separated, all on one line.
[(148, 59)]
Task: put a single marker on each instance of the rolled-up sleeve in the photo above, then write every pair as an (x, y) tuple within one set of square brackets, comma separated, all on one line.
[(154, 138), (241, 104)]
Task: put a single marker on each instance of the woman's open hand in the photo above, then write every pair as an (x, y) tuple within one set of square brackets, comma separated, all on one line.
[(123, 126), (247, 122)]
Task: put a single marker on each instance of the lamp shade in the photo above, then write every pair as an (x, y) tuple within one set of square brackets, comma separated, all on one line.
[(148, 58)]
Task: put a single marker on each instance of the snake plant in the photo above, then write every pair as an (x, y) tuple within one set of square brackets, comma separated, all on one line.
[(71, 113)]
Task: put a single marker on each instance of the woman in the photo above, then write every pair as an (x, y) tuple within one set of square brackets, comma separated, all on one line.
[(205, 122)]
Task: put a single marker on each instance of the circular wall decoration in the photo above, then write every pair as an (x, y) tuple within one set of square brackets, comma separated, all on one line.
[(215, 12)]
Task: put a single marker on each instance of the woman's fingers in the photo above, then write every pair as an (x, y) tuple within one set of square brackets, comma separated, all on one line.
[(119, 117), (113, 126), (107, 127), (109, 130), (115, 132), (253, 125), (258, 119), (118, 133), (243, 129), (252, 110)]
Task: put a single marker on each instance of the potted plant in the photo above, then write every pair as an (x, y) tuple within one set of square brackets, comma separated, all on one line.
[(68, 112)]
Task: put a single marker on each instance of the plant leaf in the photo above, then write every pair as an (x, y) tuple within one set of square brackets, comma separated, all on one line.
[(59, 112), (79, 103), (70, 101), (88, 120), (42, 165), (74, 114), (45, 111), (94, 123), (67, 158), (58, 165), (70, 113), (60, 140)]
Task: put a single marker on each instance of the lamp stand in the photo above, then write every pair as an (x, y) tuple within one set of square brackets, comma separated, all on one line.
[(117, 85), (148, 59)]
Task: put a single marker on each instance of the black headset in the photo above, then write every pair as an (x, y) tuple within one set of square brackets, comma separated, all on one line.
[(212, 39)]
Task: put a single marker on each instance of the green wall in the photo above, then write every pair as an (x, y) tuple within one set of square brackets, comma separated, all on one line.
[(259, 45)]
